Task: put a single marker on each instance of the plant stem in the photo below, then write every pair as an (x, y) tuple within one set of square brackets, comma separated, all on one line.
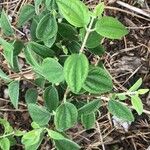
[(6, 135), (65, 94), (88, 31)]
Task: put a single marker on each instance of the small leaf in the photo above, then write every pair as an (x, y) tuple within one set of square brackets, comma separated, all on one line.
[(50, 4), (75, 12), (32, 139), (4, 76), (120, 111), (13, 89), (111, 28), (18, 46), (75, 71), (143, 91), (66, 116), (68, 32), (55, 135), (49, 42), (39, 114), (99, 50), (8, 51), (98, 81), (137, 104), (99, 9), (66, 144), (26, 13), (4, 144), (52, 70), (47, 27), (51, 98), (88, 120), (136, 85), (37, 3), (41, 50), (31, 96), (90, 107), (5, 24)]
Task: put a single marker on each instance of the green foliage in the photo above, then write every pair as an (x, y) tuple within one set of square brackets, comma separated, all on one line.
[(136, 85), (4, 144), (66, 116), (13, 89), (99, 9), (5, 24), (75, 71), (4, 76), (111, 28)]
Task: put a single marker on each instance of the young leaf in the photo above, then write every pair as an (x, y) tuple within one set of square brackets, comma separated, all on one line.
[(90, 107), (31, 96), (111, 28), (32, 139), (52, 70), (5, 24), (136, 85), (98, 81), (75, 12), (51, 98), (8, 51), (4, 144), (47, 27), (4, 76), (26, 13), (66, 144), (41, 50), (13, 89), (55, 135), (88, 120), (75, 71), (99, 9), (120, 111), (137, 104), (39, 114), (66, 116), (68, 32), (143, 91)]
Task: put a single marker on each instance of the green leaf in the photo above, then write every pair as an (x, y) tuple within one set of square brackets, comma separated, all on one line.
[(41, 50), (31, 96), (137, 104), (5, 24), (143, 91), (75, 12), (66, 116), (111, 28), (66, 144), (88, 120), (120, 111), (32, 139), (26, 13), (98, 81), (90, 107), (50, 4), (75, 71), (73, 47), (5, 144), (99, 50), (99, 9), (55, 135), (4, 76), (51, 98), (68, 32), (18, 46), (49, 42), (51, 70), (136, 85), (13, 89), (47, 27), (37, 3), (39, 114), (8, 51)]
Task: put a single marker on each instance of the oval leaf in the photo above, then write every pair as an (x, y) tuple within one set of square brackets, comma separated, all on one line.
[(47, 27), (120, 111), (75, 12), (55, 135), (4, 144), (111, 28), (75, 71), (13, 89), (39, 114), (98, 81), (136, 85), (66, 116)]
